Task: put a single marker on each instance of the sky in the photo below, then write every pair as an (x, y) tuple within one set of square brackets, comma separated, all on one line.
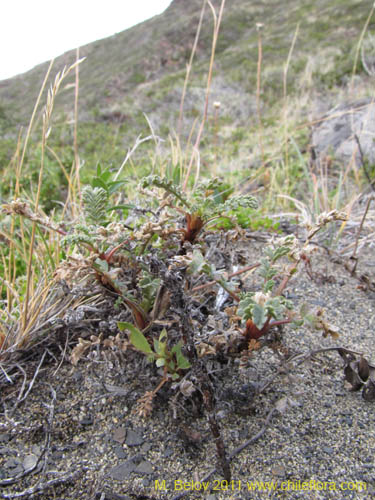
[(35, 31)]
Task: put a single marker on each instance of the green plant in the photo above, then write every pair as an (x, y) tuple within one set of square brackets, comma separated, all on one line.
[(268, 308), (209, 201), (171, 360)]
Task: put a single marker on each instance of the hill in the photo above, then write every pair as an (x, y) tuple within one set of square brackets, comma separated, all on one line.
[(142, 71)]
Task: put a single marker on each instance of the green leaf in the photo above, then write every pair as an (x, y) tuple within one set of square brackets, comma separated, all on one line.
[(137, 338), (268, 286), (160, 348), (160, 362), (101, 265), (163, 334), (245, 305), (156, 346), (113, 186), (297, 323), (182, 362), (197, 263), (304, 309), (171, 367), (120, 207), (259, 316), (98, 182), (280, 252)]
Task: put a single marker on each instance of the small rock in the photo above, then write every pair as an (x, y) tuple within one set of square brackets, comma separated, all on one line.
[(87, 420), (119, 452), (29, 461), (144, 467), (5, 451), (133, 438), (119, 435), (11, 463), (36, 449), (122, 471), (338, 132), (146, 447)]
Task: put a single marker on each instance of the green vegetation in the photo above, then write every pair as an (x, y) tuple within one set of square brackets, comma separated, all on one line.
[(84, 208)]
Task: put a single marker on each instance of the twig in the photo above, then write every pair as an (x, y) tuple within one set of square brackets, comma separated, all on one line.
[(22, 397), (240, 271), (34, 377), (259, 27), (302, 357), (236, 451), (188, 69), (361, 155), (5, 374), (255, 438), (353, 256), (23, 382), (208, 399), (217, 22), (63, 354), (130, 153), (43, 486)]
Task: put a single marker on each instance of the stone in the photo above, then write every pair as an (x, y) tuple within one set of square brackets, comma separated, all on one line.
[(119, 435), (29, 461), (144, 467), (122, 471), (133, 438), (335, 134)]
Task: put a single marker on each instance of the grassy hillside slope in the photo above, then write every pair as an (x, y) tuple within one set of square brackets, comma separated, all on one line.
[(141, 71)]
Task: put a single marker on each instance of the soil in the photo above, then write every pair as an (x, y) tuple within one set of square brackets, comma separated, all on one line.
[(77, 426)]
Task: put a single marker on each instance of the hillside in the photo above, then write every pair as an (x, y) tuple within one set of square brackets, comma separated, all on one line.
[(142, 70)]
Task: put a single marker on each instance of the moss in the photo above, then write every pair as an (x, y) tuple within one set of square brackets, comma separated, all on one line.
[(137, 78)]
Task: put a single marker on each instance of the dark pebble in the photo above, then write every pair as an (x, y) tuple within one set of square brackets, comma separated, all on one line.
[(17, 470), (122, 471), (11, 463), (119, 452), (133, 438), (146, 447), (349, 420), (5, 451), (88, 420), (119, 435), (144, 467)]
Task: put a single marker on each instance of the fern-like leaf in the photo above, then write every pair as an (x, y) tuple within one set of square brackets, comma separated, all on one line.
[(95, 202)]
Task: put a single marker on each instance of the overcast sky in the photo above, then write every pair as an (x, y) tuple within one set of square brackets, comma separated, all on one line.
[(35, 31)]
